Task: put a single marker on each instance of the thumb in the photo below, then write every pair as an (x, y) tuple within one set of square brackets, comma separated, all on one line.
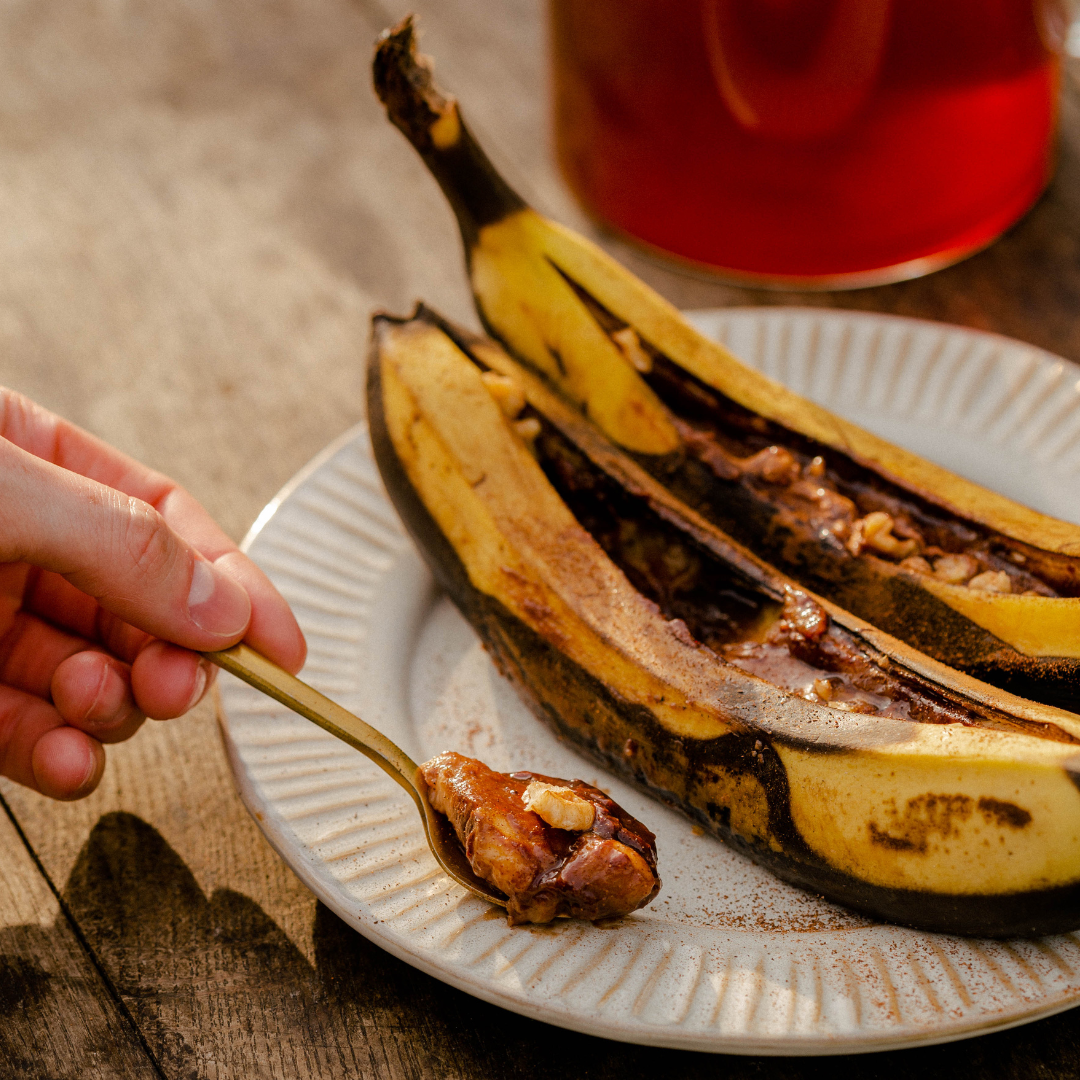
[(117, 549)]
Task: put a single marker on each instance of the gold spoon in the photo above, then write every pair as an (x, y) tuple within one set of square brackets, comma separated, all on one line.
[(245, 663)]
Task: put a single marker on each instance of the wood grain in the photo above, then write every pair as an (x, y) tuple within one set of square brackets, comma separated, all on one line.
[(58, 1017), (203, 204)]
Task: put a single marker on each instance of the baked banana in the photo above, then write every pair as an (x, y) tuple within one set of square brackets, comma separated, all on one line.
[(828, 751)]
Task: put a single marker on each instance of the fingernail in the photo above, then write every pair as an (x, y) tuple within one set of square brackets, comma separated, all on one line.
[(201, 676), (216, 603)]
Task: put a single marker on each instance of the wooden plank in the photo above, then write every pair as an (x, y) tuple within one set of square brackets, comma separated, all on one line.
[(205, 226), (164, 872), (58, 1019), (205, 204)]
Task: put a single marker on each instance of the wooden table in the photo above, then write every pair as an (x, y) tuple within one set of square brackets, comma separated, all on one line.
[(201, 206)]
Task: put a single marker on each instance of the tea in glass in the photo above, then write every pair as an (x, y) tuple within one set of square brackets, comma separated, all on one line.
[(813, 142)]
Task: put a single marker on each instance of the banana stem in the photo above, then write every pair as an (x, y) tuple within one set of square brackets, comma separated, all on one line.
[(432, 123)]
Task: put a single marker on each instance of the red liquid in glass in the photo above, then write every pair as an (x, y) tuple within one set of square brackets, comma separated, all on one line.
[(806, 139)]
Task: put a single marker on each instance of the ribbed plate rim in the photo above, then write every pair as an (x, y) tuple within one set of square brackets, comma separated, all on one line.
[(312, 870)]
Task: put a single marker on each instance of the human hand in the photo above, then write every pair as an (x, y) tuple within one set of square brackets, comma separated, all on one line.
[(109, 574)]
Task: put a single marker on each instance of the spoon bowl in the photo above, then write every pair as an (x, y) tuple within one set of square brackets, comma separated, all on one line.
[(264, 675)]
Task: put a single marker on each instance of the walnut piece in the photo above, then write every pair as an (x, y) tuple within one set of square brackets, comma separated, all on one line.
[(601, 872), (774, 464), (916, 564), (955, 569), (559, 806), (527, 430), (629, 344), (875, 532), (507, 393), (992, 581), (802, 615)]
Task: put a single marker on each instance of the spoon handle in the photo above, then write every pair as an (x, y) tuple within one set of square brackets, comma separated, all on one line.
[(246, 664)]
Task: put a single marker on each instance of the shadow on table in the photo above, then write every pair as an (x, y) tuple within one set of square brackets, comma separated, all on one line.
[(217, 989)]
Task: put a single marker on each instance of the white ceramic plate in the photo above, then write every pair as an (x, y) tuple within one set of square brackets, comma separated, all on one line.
[(727, 958)]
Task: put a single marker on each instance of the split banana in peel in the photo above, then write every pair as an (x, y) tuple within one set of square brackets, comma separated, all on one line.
[(829, 752), (963, 574)]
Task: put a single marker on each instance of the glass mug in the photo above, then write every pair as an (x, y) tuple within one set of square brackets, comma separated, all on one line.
[(827, 143)]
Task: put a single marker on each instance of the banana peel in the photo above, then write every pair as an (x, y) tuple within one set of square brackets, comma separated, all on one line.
[(628, 360), (892, 784), (527, 297)]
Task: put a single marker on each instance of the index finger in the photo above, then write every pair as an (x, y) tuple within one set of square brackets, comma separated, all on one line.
[(56, 440), (273, 629)]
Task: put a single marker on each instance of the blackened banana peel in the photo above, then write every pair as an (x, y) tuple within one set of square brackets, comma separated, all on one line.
[(700, 420), (902, 789)]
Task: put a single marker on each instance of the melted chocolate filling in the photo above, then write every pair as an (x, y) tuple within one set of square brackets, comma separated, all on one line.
[(784, 638), (822, 494)]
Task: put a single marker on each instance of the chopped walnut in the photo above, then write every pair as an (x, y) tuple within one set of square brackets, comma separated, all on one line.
[(993, 581), (629, 344), (816, 469), (802, 615), (826, 690), (506, 391), (875, 531), (559, 806), (955, 569), (774, 464), (916, 564), (829, 503), (601, 872), (707, 450), (527, 430), (856, 705)]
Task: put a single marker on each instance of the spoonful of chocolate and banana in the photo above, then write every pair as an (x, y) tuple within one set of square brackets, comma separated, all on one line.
[(540, 846)]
